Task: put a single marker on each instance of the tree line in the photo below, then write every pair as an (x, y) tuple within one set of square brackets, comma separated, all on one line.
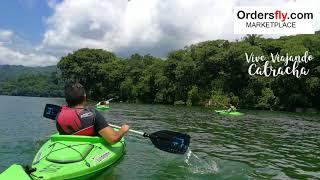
[(211, 73)]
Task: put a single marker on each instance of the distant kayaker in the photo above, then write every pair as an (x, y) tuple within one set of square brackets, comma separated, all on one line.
[(231, 108), (103, 103), (78, 119)]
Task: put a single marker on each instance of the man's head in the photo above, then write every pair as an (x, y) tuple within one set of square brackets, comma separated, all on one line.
[(74, 93)]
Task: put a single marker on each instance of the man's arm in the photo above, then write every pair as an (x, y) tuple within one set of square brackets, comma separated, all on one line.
[(107, 132), (112, 136)]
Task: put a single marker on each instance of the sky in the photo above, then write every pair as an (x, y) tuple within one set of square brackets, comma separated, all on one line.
[(40, 32)]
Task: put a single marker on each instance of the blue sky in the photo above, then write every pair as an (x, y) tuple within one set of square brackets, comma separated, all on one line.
[(25, 17), (40, 32)]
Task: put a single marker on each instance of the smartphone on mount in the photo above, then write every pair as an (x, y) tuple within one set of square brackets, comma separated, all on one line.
[(51, 111)]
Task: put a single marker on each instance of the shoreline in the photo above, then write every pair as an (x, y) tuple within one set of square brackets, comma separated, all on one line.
[(298, 110)]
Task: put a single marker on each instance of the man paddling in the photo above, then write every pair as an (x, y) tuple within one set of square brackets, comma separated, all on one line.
[(104, 103), (78, 119), (232, 106)]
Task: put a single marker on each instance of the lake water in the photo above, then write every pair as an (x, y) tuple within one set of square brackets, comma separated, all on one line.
[(258, 145)]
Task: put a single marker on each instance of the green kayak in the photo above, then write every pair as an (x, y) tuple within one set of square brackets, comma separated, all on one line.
[(70, 157), (102, 107), (233, 113), (15, 172)]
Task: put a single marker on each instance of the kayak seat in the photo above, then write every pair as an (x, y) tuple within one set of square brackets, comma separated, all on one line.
[(69, 153)]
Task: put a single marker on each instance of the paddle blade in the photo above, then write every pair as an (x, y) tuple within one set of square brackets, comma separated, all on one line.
[(169, 141), (51, 111)]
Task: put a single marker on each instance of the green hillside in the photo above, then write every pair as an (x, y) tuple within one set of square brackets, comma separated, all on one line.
[(30, 81), (12, 71)]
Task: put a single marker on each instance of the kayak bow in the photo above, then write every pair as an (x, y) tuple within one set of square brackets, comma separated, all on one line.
[(102, 107), (73, 157)]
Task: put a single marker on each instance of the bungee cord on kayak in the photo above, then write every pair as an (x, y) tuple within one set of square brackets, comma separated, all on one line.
[(66, 146), (75, 156)]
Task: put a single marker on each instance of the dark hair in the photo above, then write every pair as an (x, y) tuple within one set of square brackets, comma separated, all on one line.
[(74, 93)]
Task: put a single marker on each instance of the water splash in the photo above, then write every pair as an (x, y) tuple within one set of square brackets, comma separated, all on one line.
[(200, 166)]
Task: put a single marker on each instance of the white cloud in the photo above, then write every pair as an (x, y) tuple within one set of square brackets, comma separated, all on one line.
[(12, 57), (144, 26), (128, 26), (5, 35), (13, 54)]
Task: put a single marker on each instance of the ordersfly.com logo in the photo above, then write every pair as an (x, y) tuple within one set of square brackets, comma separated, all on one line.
[(273, 20)]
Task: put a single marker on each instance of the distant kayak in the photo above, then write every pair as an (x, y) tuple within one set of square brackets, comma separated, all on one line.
[(69, 157), (233, 113), (102, 107)]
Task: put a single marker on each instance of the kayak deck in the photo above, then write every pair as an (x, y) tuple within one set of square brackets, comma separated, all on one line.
[(102, 107), (224, 112), (74, 157), (15, 172)]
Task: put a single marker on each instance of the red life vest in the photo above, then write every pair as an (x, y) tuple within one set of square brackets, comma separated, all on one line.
[(70, 122)]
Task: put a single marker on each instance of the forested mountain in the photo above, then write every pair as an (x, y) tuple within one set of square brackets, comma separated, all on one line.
[(12, 71), (30, 81)]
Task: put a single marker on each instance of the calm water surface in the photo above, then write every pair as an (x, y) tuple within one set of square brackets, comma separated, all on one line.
[(259, 145)]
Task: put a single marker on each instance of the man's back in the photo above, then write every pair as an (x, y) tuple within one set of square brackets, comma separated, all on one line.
[(80, 121)]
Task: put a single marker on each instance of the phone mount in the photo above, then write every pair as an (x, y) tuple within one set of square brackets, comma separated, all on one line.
[(51, 111)]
